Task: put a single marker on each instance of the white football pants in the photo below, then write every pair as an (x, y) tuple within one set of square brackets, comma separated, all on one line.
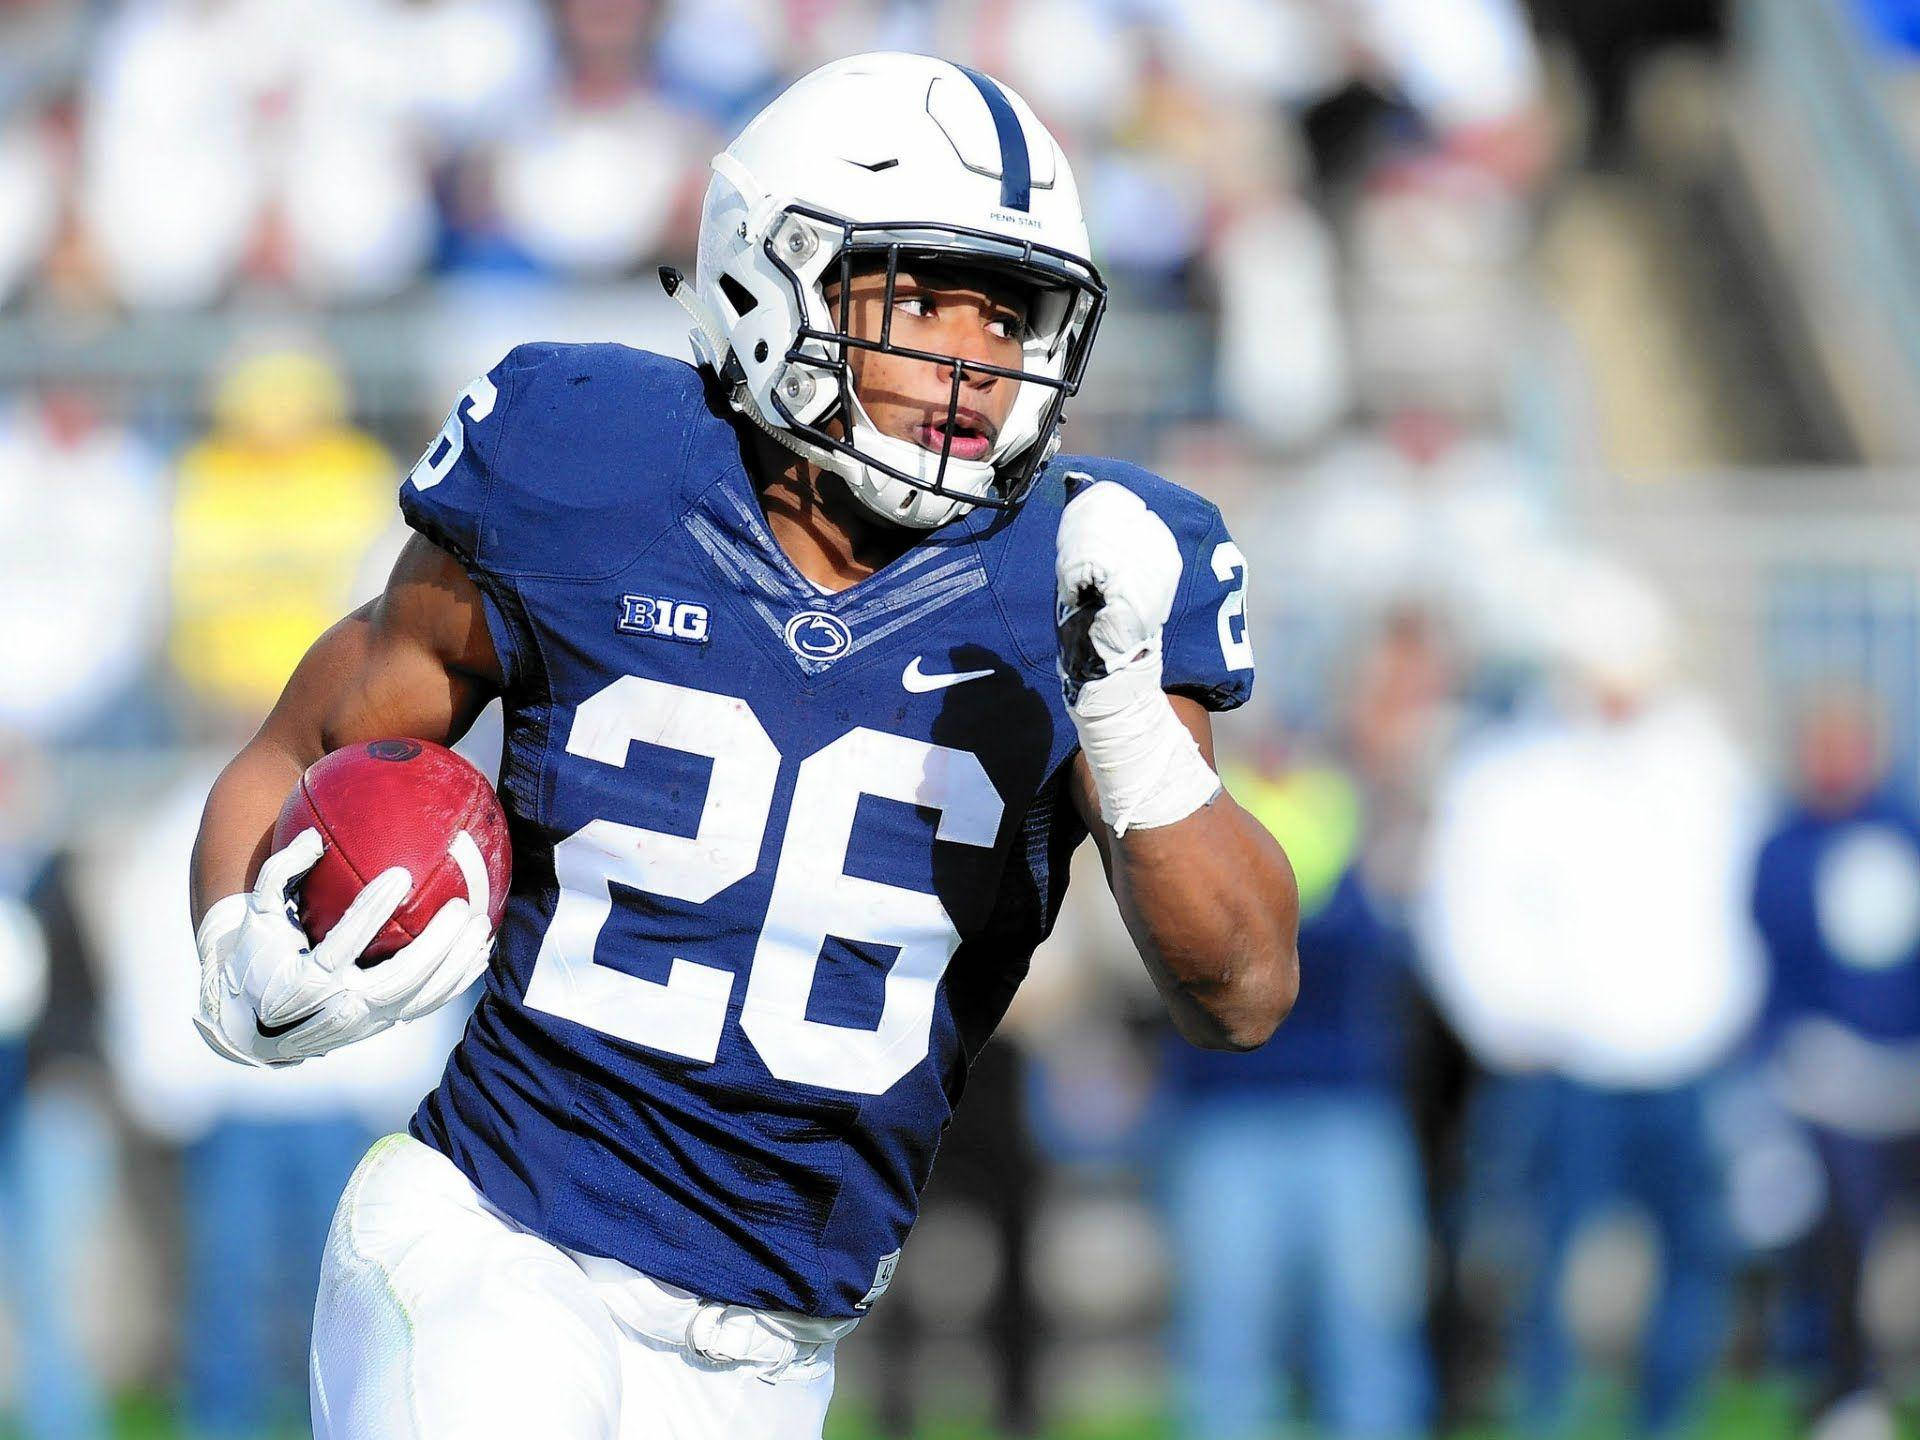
[(439, 1318)]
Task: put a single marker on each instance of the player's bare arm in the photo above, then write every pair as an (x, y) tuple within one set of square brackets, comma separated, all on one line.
[(416, 661), (1211, 903), (1207, 895)]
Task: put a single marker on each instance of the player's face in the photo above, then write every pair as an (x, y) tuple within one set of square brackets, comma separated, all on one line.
[(947, 312)]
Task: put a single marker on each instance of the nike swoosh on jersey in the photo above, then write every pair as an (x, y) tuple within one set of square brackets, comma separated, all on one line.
[(919, 682)]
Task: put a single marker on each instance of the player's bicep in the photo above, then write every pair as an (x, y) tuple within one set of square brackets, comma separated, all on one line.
[(431, 603), (419, 660), (430, 642)]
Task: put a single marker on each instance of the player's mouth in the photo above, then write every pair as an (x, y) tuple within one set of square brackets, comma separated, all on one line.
[(971, 432)]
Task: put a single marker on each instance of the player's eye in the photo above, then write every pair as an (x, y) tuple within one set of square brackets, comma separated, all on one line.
[(1007, 326), (917, 305)]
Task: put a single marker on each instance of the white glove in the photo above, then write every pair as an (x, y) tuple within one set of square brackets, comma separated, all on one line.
[(1116, 571), (268, 997)]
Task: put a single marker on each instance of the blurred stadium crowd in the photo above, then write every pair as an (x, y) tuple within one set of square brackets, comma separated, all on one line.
[(1590, 676)]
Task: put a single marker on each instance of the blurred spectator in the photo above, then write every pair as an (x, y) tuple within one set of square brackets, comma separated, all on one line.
[(1422, 516), (349, 210), (1472, 73), (1436, 248), (1610, 42), (1284, 365), (1585, 925), (1147, 197), (1428, 509), (721, 59), (55, 1154), (42, 48), (988, 1176), (1292, 1179), (1284, 52), (276, 510), (30, 197), (1402, 719), (1088, 100), (1418, 130), (174, 185), (291, 143), (607, 173), (82, 552), (487, 62), (265, 1154), (1836, 895)]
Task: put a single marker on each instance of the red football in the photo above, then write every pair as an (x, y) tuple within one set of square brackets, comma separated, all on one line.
[(398, 802)]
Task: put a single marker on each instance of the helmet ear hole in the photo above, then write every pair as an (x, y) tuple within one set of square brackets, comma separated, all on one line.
[(739, 297)]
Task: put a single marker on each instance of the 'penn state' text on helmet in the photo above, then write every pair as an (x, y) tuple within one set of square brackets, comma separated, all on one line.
[(886, 159)]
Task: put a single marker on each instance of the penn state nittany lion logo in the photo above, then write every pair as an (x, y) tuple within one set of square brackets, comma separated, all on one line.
[(816, 635)]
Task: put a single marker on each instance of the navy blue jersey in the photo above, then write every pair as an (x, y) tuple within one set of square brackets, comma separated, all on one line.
[(780, 857), (1803, 864)]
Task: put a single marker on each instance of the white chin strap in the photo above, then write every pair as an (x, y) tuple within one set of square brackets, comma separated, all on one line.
[(894, 499)]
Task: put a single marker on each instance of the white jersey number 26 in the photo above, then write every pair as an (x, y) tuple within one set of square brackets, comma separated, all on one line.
[(813, 896)]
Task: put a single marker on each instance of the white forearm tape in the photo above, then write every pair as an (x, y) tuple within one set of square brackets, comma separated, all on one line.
[(1147, 769)]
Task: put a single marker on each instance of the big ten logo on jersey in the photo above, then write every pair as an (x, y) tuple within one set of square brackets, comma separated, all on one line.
[(658, 615)]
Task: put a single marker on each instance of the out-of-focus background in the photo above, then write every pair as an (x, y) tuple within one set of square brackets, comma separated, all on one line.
[(1557, 365)]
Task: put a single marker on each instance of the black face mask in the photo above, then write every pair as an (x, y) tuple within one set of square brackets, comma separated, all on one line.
[(1067, 300)]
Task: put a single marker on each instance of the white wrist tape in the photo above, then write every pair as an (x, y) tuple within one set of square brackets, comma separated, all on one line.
[(1147, 769)]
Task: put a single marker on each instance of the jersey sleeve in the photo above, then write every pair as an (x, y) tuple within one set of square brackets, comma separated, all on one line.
[(1207, 653), (448, 493), (519, 486)]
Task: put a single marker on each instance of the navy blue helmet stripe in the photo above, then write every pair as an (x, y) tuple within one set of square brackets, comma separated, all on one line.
[(1016, 174)]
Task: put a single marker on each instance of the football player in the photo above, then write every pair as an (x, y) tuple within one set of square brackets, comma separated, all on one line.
[(818, 661)]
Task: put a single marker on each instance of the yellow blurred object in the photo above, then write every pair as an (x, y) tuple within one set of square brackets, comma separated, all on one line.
[(280, 397), (1314, 813), (268, 541)]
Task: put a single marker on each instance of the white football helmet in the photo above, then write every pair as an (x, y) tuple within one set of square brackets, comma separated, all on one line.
[(890, 158)]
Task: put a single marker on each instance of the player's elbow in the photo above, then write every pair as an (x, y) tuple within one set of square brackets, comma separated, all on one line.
[(1264, 978), (1242, 1011), (1269, 1002)]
